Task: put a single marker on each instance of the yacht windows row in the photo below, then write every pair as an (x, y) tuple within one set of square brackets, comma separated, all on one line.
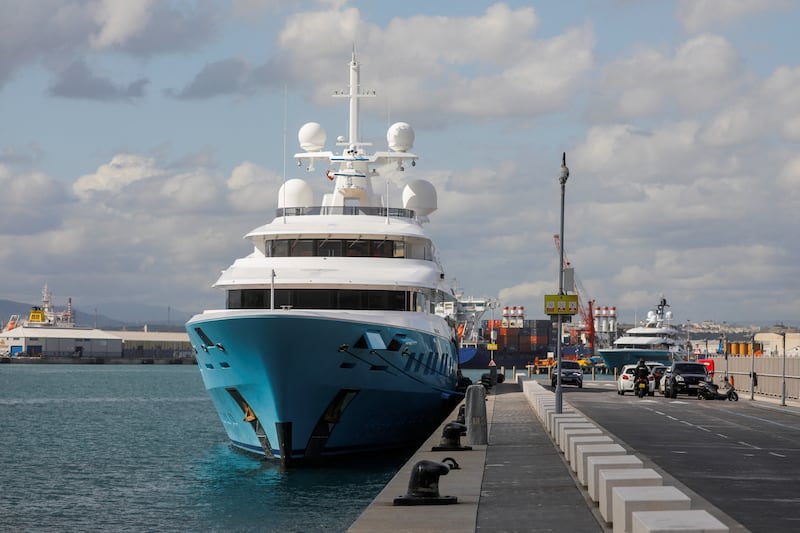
[(338, 248), (374, 300)]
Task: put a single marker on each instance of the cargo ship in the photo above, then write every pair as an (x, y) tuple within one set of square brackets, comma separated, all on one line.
[(519, 341)]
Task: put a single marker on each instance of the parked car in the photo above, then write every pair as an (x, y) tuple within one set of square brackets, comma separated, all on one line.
[(658, 373), (683, 378), (571, 373), (627, 377)]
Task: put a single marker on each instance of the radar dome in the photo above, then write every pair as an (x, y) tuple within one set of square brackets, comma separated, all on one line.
[(400, 137), (420, 195), (312, 137), (295, 193)]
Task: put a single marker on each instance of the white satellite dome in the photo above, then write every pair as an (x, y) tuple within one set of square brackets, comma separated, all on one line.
[(312, 137), (400, 137), (420, 195), (295, 193)]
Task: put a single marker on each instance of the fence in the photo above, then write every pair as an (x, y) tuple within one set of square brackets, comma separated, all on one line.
[(769, 370)]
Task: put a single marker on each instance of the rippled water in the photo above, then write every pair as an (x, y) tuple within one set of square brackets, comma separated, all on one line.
[(140, 448)]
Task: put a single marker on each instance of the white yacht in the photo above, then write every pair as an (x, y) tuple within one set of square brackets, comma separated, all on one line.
[(330, 342), (654, 340)]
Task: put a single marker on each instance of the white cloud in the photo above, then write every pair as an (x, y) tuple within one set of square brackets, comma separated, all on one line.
[(474, 66), (701, 73), (682, 145), (252, 188), (31, 201), (118, 21), (698, 15), (789, 177), (123, 170)]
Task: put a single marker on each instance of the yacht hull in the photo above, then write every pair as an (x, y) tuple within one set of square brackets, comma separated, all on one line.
[(297, 385), (616, 358)]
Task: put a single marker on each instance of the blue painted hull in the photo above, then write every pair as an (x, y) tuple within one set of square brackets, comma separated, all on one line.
[(296, 385)]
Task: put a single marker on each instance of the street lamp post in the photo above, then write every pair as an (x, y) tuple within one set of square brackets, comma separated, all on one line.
[(562, 179), (752, 367), (724, 350), (783, 372)]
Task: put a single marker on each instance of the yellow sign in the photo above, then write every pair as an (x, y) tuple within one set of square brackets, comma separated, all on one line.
[(491, 347), (560, 304)]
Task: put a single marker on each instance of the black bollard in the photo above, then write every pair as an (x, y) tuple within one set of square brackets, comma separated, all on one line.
[(423, 486), (451, 438), (462, 414)]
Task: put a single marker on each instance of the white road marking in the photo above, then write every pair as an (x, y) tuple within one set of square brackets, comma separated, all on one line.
[(777, 454), (749, 445), (723, 436)]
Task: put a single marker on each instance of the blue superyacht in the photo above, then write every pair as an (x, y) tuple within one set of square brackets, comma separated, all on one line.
[(330, 342)]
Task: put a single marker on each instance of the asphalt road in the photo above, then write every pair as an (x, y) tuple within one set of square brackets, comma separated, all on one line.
[(743, 457)]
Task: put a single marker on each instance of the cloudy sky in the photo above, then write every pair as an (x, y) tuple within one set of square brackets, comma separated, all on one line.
[(141, 140)]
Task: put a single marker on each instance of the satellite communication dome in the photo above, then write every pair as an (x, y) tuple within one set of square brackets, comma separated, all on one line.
[(312, 137), (295, 193), (420, 195), (400, 137)]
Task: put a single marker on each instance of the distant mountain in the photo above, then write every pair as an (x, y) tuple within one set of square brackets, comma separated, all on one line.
[(126, 315), (132, 313)]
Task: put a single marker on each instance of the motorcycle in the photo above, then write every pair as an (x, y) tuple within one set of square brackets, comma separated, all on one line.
[(640, 387), (710, 391)]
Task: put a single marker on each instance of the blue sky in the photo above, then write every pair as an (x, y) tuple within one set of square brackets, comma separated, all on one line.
[(142, 139)]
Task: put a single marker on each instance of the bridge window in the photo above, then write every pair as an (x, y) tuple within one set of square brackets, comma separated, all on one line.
[(337, 248), (379, 300)]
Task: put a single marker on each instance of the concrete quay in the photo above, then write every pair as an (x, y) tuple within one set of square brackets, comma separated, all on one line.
[(520, 481)]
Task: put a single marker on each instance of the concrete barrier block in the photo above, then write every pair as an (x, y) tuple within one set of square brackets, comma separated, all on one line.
[(575, 428), (598, 463), (627, 477), (544, 410), (573, 441), (560, 421), (694, 521), (628, 500), (552, 416), (585, 451)]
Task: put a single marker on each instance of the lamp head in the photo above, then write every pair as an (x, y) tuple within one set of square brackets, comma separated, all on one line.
[(562, 177)]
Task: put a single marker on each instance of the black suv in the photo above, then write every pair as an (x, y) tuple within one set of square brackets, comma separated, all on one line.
[(684, 378), (571, 372)]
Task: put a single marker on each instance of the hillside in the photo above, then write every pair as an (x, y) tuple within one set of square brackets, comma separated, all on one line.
[(125, 316)]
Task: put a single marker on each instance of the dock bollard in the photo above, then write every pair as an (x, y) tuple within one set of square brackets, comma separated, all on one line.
[(477, 427), (451, 438), (423, 486)]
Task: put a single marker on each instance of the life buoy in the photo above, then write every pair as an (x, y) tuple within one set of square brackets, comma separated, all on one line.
[(329, 174)]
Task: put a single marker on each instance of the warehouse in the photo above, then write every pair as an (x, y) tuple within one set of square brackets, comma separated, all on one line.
[(59, 342)]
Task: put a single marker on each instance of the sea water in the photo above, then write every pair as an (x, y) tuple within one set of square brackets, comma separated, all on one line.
[(140, 448)]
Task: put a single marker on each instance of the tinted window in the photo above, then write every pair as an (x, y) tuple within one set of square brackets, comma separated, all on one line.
[(570, 365), (690, 368)]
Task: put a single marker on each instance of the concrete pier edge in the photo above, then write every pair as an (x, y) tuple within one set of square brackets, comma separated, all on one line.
[(467, 483)]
